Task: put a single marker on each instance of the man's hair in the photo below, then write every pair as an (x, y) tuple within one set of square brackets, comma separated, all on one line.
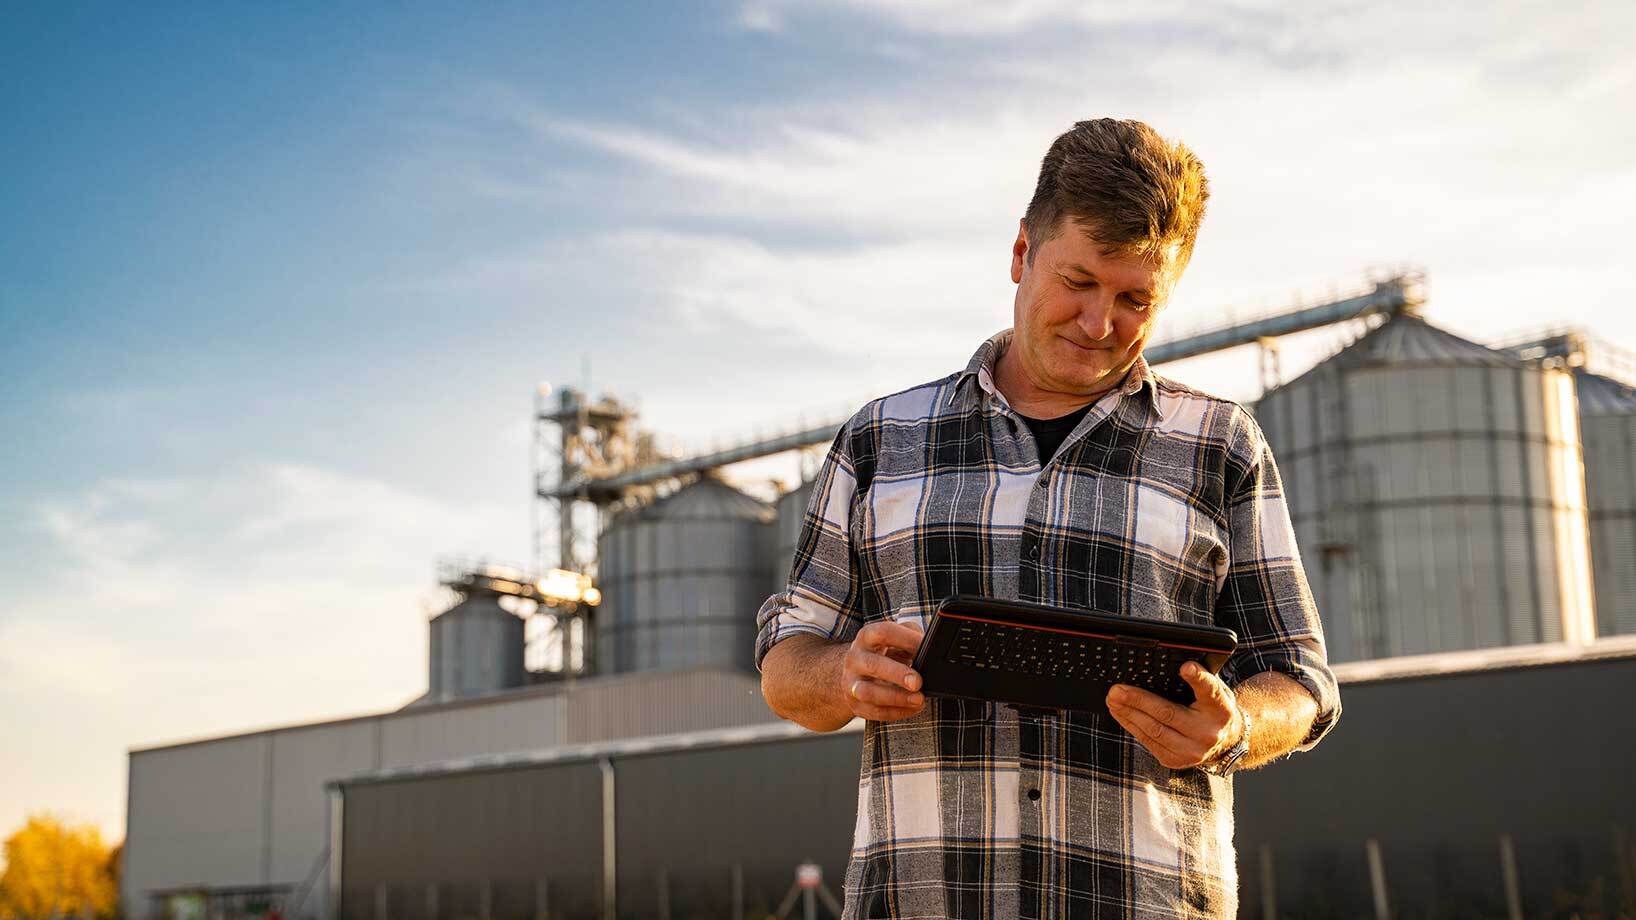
[(1131, 190)]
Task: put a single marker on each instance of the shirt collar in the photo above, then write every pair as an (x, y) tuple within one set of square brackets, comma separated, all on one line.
[(978, 377)]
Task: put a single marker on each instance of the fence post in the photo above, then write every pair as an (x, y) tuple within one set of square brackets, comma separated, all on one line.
[(1377, 879), (664, 893), (1508, 868), (1269, 885), (431, 901), (485, 899), (738, 891), (1626, 861), (542, 898), (380, 902)]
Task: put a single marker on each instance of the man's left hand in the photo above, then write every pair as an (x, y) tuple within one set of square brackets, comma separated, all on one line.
[(1181, 736)]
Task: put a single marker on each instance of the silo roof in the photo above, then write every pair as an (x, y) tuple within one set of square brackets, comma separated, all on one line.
[(708, 500), (1599, 395), (477, 603), (1406, 339)]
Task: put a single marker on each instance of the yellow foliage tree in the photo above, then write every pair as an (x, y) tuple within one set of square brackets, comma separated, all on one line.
[(55, 870)]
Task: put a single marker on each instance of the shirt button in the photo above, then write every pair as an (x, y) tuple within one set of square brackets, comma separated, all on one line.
[(1033, 550), (1043, 481), (1033, 795)]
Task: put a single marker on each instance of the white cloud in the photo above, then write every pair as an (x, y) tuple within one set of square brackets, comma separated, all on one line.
[(187, 607), (1519, 33), (1312, 177), (977, 17), (1337, 141), (869, 176), (760, 17)]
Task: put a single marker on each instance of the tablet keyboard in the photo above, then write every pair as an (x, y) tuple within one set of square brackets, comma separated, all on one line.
[(1061, 656)]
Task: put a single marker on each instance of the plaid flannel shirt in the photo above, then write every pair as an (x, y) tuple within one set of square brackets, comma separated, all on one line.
[(1163, 502)]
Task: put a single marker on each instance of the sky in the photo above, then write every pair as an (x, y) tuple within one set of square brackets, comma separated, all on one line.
[(279, 281)]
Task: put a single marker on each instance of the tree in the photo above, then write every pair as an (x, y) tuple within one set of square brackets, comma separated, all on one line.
[(55, 870)]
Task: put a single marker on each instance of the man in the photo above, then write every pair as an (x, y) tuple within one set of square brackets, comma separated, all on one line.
[(1055, 468)]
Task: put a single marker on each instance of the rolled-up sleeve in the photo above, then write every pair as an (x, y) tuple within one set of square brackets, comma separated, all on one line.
[(1265, 598), (823, 596)]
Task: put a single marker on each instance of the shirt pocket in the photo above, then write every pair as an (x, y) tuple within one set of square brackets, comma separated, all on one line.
[(1180, 559)]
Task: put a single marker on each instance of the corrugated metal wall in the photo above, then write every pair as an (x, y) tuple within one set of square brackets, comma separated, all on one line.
[(197, 812), (631, 706), (250, 810), (502, 725), (399, 865), (1434, 768), (1608, 427), (303, 760), (790, 802), (683, 821)]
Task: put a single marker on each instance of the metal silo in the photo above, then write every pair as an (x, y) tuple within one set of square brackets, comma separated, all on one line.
[(682, 579), (1437, 494), (477, 648), (792, 511), (1607, 423)]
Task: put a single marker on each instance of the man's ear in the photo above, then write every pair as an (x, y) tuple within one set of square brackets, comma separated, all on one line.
[(1019, 252)]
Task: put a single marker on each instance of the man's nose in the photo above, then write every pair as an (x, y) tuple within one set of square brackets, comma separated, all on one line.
[(1096, 317)]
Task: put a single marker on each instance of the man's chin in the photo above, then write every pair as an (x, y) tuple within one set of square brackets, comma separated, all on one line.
[(1085, 374), (1084, 386)]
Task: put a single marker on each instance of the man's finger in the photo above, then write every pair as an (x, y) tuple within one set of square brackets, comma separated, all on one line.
[(874, 693), (880, 667), (1155, 706), (1161, 741), (1207, 688), (882, 635)]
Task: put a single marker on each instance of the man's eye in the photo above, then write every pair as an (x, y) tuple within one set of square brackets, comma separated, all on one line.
[(1078, 285)]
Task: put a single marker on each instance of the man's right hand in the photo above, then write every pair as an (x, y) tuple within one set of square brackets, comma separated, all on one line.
[(875, 676)]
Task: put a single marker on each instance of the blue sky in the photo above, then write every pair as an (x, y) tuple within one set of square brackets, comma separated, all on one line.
[(279, 280)]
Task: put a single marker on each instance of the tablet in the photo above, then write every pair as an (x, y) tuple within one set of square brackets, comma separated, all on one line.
[(1036, 656)]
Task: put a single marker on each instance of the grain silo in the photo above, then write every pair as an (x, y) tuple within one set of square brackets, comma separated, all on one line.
[(476, 648), (1607, 423), (792, 513), (1437, 493), (682, 579)]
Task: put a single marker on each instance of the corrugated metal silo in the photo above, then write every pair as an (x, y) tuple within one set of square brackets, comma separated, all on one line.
[(1607, 423), (681, 581), (477, 648), (1437, 494), (792, 511)]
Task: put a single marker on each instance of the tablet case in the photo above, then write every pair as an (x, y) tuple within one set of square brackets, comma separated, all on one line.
[(1035, 656)]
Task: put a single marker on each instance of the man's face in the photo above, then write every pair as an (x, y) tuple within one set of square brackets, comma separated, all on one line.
[(1082, 317)]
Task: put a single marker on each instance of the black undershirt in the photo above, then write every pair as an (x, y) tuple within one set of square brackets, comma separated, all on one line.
[(1049, 433)]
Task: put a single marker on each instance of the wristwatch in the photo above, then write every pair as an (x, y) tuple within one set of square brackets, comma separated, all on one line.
[(1225, 762)]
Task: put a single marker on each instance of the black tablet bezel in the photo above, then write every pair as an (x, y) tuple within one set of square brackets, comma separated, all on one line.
[(1210, 646)]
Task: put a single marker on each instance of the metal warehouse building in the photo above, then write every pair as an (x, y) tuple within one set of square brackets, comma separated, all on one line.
[(247, 813), (1458, 785)]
